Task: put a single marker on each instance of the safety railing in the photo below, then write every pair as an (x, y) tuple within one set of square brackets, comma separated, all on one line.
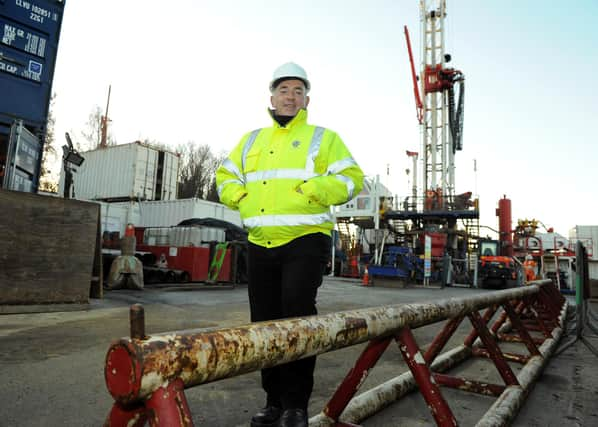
[(147, 375)]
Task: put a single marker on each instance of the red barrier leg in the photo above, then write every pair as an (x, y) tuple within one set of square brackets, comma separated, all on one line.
[(121, 416), (423, 376), (523, 333), (495, 353), (442, 338), (345, 392), (486, 318), (550, 304), (167, 406)]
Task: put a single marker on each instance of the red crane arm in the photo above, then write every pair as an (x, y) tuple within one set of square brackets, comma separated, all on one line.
[(418, 102)]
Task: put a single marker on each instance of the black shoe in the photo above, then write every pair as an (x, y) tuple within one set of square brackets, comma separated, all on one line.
[(267, 417), (293, 418)]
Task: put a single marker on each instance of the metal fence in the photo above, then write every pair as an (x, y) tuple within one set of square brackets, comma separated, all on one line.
[(147, 375)]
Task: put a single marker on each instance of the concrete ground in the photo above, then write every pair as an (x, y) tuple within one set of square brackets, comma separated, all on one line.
[(51, 364)]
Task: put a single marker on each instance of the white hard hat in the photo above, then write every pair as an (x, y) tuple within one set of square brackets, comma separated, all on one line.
[(289, 70)]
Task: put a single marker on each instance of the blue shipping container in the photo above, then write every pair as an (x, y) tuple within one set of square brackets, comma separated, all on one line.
[(29, 34)]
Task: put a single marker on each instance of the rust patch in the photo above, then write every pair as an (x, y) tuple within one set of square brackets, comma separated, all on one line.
[(355, 328)]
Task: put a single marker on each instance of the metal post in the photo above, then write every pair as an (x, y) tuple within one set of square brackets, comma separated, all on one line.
[(137, 321)]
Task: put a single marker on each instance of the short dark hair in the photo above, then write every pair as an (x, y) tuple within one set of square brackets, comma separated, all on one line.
[(282, 79)]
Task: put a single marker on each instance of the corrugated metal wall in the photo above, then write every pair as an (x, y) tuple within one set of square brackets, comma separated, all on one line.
[(162, 213)]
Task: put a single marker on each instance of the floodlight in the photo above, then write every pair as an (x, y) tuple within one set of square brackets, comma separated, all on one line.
[(74, 158)]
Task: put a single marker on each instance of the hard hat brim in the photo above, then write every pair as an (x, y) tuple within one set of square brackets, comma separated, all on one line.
[(274, 84)]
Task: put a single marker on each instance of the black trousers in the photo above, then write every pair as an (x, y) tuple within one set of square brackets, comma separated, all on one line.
[(283, 282)]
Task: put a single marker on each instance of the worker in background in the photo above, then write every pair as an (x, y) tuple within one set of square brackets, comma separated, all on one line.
[(529, 267), (283, 179)]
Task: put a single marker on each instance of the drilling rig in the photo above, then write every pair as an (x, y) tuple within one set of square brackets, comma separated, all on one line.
[(426, 227)]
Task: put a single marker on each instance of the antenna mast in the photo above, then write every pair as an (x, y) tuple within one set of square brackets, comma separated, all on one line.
[(104, 122)]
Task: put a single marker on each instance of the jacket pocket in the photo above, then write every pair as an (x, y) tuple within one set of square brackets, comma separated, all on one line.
[(252, 161)]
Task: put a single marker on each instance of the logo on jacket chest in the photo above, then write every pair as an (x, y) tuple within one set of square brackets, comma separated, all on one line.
[(296, 143)]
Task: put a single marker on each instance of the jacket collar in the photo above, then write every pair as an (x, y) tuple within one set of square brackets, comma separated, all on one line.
[(299, 119)]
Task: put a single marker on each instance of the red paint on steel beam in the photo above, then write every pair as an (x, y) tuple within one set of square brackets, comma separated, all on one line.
[(516, 338), (487, 316), (555, 295), (495, 353), (543, 328), (546, 314), (123, 416), (423, 376), (167, 406), (512, 357), (442, 338), (549, 301), (469, 385), (498, 323), (355, 378)]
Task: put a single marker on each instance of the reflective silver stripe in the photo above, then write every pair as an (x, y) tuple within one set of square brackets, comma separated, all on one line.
[(279, 174), (287, 220), (314, 148), (229, 181), (341, 165), (232, 168), (247, 147), (350, 185)]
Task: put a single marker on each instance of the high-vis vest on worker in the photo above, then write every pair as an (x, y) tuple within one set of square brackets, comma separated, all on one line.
[(283, 180)]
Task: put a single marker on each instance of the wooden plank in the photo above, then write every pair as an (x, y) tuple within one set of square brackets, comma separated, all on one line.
[(47, 249)]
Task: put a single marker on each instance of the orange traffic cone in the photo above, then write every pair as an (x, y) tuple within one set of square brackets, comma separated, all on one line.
[(130, 230), (366, 277)]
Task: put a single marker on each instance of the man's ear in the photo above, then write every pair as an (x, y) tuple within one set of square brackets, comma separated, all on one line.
[(272, 101), (306, 101)]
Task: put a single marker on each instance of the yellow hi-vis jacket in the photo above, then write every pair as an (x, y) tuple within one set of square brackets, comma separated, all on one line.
[(283, 180)]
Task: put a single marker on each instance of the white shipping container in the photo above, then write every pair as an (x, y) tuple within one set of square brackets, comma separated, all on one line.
[(588, 235), (115, 216), (365, 204), (166, 213), (132, 170)]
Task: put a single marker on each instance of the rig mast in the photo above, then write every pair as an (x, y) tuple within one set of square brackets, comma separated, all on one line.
[(441, 120)]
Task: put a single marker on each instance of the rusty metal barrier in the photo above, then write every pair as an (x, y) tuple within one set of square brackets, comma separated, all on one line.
[(147, 375)]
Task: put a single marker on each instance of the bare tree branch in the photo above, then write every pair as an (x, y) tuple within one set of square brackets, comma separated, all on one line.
[(198, 172)]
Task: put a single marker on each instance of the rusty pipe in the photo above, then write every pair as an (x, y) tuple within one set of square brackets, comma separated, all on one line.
[(134, 369)]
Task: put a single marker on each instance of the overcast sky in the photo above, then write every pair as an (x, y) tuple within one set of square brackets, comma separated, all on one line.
[(184, 70)]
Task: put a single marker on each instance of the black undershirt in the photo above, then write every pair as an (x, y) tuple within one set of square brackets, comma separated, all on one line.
[(282, 120)]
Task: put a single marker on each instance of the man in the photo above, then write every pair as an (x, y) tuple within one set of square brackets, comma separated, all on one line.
[(283, 179)]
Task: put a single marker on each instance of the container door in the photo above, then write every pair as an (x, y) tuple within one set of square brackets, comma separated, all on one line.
[(22, 160)]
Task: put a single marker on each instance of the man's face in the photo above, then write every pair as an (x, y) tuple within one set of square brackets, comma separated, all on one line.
[(289, 97)]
